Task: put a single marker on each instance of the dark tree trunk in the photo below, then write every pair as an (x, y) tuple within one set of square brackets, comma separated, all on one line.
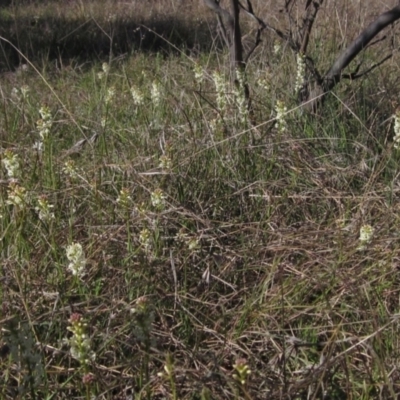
[(236, 38)]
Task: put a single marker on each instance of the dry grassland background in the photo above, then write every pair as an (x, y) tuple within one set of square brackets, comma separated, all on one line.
[(159, 240)]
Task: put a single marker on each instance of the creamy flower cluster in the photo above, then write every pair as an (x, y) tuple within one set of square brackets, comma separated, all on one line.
[(396, 138), (301, 71), (11, 164), (17, 196), (76, 257), (80, 342), (281, 111), (45, 123), (220, 85), (44, 209)]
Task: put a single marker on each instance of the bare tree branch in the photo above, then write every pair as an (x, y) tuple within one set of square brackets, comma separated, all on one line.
[(308, 23), (231, 19), (312, 94), (249, 11), (237, 48), (355, 75), (214, 5), (333, 76), (222, 15), (222, 30), (318, 92), (261, 26)]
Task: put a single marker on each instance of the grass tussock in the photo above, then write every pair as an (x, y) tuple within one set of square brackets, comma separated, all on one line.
[(157, 241)]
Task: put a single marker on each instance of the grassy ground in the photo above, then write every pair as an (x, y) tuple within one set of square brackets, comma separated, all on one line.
[(157, 244)]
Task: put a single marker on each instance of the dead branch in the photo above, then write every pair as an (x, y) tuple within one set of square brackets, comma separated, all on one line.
[(261, 26), (332, 78), (223, 17), (335, 74), (214, 5), (355, 75), (233, 36), (237, 47), (308, 22)]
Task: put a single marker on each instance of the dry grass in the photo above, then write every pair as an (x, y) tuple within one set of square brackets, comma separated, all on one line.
[(254, 256)]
